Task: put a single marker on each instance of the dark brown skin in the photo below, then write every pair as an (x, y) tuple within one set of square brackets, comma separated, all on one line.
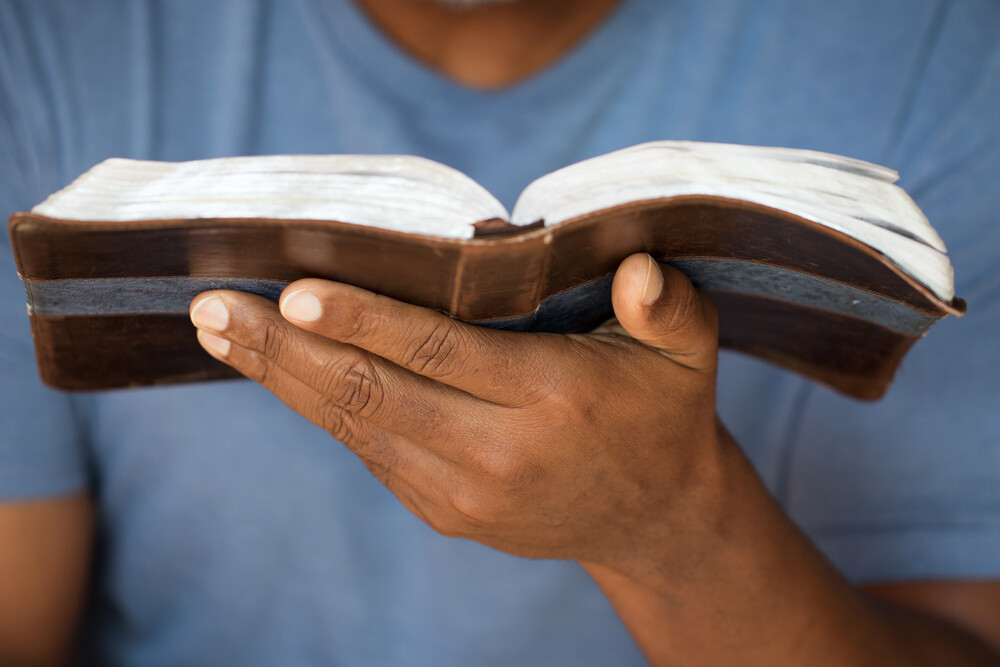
[(601, 448)]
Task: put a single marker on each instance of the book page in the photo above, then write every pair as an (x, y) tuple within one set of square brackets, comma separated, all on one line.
[(854, 197), (403, 193)]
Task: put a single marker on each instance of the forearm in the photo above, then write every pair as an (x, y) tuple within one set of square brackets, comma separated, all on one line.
[(758, 593), (45, 550)]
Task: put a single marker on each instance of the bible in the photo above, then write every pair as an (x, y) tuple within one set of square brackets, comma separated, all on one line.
[(816, 262)]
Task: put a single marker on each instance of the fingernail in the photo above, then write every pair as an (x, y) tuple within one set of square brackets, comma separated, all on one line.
[(654, 283), (211, 314), (301, 306), (214, 344)]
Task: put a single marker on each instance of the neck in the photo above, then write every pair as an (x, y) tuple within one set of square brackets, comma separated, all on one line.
[(489, 47)]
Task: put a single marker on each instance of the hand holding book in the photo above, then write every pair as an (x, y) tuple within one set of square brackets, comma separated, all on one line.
[(497, 436)]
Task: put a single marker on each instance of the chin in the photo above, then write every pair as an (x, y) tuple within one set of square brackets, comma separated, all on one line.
[(470, 4)]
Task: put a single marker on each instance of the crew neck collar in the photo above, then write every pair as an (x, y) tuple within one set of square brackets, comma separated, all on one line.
[(385, 63)]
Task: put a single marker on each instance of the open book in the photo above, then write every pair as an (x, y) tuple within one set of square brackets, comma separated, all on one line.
[(816, 262)]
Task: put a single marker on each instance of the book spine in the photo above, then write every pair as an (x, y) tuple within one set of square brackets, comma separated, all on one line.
[(502, 277)]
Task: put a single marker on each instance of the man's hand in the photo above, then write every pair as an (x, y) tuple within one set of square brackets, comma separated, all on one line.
[(602, 448), (593, 447)]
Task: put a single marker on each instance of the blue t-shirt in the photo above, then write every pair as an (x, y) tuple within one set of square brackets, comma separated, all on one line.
[(234, 532)]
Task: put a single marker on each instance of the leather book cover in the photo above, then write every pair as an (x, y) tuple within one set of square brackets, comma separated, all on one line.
[(109, 300)]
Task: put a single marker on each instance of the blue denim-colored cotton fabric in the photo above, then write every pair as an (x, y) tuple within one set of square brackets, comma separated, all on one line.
[(234, 532)]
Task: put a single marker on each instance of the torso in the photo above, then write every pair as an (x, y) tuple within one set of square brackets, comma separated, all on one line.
[(233, 532)]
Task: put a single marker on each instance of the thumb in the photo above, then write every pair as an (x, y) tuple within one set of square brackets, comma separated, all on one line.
[(657, 305)]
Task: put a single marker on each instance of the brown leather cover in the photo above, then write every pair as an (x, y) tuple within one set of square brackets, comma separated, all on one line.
[(485, 278)]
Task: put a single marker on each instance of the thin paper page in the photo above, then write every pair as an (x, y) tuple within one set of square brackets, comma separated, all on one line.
[(851, 196), (403, 193)]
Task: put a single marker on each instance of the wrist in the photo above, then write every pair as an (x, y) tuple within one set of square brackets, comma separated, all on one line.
[(692, 530)]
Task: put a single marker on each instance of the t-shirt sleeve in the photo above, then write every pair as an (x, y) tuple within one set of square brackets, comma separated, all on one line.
[(909, 487), (41, 446)]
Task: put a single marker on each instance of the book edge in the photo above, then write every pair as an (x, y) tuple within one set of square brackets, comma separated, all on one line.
[(957, 307)]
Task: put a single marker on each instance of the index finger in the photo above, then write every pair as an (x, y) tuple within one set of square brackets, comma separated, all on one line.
[(489, 364)]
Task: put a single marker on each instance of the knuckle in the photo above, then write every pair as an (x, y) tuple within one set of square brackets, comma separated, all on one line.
[(338, 429), (472, 510), (582, 410), (355, 387), (363, 321), (548, 403), (273, 341), (513, 474), (559, 399), (257, 367), (334, 422), (548, 388), (436, 350)]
